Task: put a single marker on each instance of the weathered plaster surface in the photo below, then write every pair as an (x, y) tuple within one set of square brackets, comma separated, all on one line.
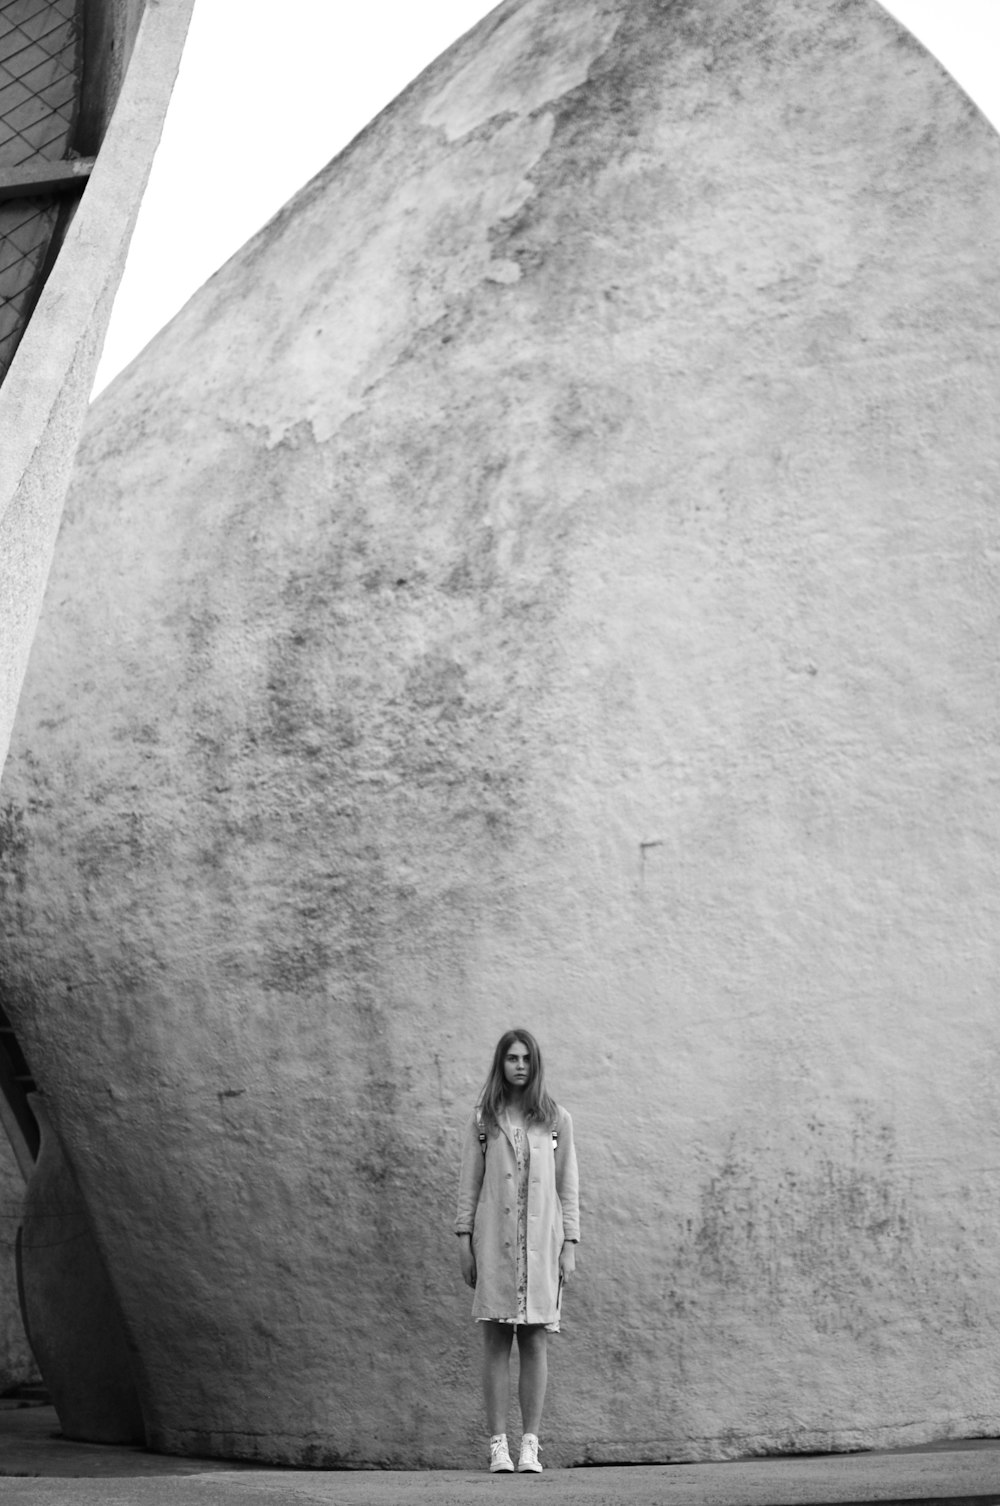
[(549, 575), (535, 54)]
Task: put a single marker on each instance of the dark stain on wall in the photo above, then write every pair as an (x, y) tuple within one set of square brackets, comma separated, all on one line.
[(830, 1236)]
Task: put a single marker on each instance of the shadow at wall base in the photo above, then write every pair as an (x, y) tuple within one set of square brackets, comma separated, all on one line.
[(69, 1309)]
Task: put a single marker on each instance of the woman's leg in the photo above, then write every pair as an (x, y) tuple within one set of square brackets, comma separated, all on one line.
[(496, 1374), (532, 1348)]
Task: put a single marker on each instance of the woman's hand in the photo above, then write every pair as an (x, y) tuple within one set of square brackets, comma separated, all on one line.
[(466, 1259), (567, 1260)]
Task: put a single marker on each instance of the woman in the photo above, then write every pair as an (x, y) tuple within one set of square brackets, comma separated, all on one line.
[(518, 1224)]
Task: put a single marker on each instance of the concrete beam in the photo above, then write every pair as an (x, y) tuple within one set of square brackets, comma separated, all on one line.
[(40, 176)]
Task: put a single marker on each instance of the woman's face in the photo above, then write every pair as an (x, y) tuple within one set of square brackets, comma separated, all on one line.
[(517, 1065)]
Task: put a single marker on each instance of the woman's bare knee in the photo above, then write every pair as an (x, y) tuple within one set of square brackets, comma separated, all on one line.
[(531, 1338), (497, 1337)]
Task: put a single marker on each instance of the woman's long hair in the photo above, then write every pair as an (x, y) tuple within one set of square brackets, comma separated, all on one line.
[(539, 1108)]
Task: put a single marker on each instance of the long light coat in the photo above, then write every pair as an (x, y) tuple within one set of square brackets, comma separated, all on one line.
[(487, 1209)]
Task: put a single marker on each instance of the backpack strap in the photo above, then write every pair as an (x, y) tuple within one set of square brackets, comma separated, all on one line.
[(482, 1133)]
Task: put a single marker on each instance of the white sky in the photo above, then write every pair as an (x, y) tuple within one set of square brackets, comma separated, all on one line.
[(260, 107)]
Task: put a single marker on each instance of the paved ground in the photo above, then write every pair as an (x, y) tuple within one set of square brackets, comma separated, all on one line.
[(42, 1469)]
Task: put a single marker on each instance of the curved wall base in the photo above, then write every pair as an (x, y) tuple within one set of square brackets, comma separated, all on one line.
[(69, 1309)]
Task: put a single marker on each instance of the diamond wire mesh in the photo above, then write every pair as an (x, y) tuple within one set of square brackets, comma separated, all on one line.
[(40, 61)]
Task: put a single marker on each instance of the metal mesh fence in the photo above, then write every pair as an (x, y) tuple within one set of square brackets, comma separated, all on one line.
[(40, 64)]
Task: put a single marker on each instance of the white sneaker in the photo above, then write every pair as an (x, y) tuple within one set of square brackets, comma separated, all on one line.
[(500, 1460), (528, 1462)]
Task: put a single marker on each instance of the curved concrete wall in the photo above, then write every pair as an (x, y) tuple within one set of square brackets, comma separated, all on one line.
[(548, 576)]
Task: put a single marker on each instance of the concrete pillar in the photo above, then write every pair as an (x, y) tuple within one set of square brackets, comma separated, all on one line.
[(44, 394)]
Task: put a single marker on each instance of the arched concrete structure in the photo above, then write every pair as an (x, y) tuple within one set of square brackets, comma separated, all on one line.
[(548, 575), (131, 54)]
